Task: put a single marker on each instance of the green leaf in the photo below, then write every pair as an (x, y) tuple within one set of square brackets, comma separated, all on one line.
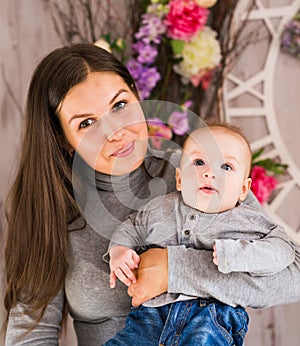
[(107, 37), (119, 45), (256, 154), (272, 166), (177, 46)]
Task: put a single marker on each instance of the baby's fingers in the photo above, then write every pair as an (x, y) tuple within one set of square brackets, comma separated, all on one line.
[(129, 274), (136, 259), (112, 279), (125, 275)]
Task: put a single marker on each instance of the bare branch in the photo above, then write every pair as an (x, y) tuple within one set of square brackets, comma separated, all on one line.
[(11, 94)]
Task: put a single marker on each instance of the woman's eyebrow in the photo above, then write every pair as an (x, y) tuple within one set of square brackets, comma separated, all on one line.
[(117, 94), (76, 116)]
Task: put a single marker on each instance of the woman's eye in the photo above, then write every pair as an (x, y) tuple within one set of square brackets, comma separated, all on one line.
[(119, 106), (198, 162), (227, 167), (86, 123)]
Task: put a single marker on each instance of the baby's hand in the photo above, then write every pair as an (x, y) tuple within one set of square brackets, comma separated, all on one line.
[(215, 258), (122, 263)]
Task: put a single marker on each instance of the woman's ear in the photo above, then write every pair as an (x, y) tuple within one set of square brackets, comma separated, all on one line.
[(178, 179), (245, 189)]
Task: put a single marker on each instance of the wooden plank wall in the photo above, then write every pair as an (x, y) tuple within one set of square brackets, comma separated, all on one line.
[(27, 35)]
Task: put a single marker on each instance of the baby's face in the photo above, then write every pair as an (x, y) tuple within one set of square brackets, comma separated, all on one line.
[(213, 174)]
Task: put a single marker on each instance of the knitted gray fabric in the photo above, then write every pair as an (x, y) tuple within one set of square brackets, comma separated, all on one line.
[(98, 311)]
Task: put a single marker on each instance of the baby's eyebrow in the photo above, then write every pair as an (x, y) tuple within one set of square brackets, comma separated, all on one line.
[(195, 153), (231, 158)]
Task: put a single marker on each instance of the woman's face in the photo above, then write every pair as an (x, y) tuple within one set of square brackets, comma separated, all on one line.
[(103, 121)]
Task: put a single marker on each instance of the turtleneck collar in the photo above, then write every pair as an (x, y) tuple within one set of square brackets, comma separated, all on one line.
[(106, 182)]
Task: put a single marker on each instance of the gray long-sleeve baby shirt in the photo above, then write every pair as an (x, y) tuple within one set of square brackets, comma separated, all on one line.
[(245, 238)]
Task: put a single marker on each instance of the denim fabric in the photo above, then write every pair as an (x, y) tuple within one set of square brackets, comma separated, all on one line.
[(190, 323)]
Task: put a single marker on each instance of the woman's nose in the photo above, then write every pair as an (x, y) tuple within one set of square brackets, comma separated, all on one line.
[(116, 136)]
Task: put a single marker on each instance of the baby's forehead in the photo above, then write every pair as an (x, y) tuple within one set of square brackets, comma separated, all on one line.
[(206, 140), (205, 136)]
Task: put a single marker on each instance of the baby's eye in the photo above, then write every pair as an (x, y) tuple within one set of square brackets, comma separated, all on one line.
[(198, 162), (119, 106), (227, 167), (86, 123)]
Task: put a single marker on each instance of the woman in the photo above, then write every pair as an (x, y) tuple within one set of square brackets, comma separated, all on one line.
[(84, 127)]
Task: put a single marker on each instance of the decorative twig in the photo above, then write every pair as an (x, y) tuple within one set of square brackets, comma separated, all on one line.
[(10, 91), (87, 20), (232, 44)]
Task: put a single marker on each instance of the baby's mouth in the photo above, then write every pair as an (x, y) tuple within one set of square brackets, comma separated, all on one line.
[(208, 189)]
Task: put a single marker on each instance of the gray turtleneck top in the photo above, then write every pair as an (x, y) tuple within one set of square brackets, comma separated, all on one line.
[(98, 311)]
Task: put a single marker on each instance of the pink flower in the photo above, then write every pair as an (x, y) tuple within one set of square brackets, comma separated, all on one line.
[(157, 131), (262, 184), (204, 78), (185, 19)]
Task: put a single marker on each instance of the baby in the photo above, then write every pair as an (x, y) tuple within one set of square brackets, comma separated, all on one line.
[(207, 213)]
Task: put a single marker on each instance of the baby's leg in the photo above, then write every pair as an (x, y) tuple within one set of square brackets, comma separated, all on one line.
[(144, 326), (201, 322)]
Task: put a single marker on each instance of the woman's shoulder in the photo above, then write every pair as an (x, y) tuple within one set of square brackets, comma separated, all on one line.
[(172, 155), (162, 160), (162, 164)]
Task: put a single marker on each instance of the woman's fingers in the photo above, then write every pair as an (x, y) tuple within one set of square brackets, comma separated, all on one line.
[(152, 276)]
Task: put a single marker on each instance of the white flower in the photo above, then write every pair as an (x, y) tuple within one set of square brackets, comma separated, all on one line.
[(103, 44), (201, 52), (206, 3), (120, 43)]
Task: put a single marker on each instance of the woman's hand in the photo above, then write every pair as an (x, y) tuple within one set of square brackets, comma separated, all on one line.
[(152, 276)]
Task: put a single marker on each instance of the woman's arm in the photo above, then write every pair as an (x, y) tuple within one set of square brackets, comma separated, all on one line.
[(45, 333), (163, 270), (235, 288), (185, 270), (266, 256)]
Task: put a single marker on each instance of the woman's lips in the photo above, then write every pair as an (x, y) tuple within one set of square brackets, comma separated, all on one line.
[(125, 151)]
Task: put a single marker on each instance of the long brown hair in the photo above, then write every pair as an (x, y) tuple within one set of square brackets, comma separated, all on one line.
[(41, 204)]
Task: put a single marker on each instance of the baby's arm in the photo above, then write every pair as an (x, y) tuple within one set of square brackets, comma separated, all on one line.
[(129, 235), (123, 261), (266, 256)]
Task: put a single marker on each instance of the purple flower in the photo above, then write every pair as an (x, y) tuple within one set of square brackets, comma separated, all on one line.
[(135, 68), (286, 39), (290, 40), (147, 53), (151, 29), (179, 120), (151, 76), (147, 81), (155, 123)]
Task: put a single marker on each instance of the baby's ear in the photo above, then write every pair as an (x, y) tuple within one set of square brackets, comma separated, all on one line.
[(245, 189), (178, 179)]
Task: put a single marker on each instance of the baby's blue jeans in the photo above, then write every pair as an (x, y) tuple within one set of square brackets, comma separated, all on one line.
[(196, 322)]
